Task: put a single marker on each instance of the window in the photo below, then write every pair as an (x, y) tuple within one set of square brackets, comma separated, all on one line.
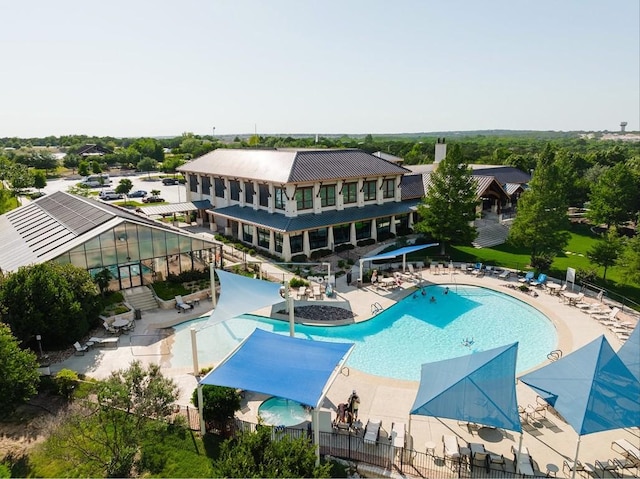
[(369, 189), (219, 187), (263, 238), (247, 233), (350, 192), (389, 188), (278, 238), (363, 230), (328, 195), (193, 183), (304, 198), (296, 243), (234, 187), (248, 192), (342, 233), (280, 198), (263, 191), (206, 185), (318, 238), (383, 226)]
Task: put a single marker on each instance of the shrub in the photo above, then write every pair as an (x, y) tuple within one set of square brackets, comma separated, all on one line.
[(66, 381), (344, 247), (297, 282), (366, 242), (320, 253), (299, 258), (385, 236)]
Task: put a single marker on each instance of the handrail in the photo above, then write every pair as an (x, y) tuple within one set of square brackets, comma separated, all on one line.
[(554, 355), (376, 308)]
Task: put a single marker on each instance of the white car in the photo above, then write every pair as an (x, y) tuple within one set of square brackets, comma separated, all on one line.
[(108, 195)]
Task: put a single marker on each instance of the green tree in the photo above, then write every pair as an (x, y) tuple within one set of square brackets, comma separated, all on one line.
[(449, 207), (220, 405), (84, 168), (155, 192), (613, 199), (20, 177), (95, 167), (71, 161), (255, 454), (19, 375), (171, 163), (605, 252), (58, 301), (629, 260), (109, 431), (102, 279), (39, 179), (149, 147), (147, 164), (541, 224), (124, 187)]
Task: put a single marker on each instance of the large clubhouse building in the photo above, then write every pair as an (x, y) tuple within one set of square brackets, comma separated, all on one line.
[(292, 202)]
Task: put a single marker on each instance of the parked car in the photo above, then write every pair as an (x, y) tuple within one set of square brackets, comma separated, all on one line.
[(152, 199), (109, 195), (138, 194), (170, 181)]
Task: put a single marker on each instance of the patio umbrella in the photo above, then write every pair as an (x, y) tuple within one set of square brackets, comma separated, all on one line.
[(591, 389), (630, 352)]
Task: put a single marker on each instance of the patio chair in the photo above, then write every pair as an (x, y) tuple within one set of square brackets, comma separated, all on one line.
[(605, 465), (570, 466), (80, 350), (623, 464), (478, 269), (505, 274), (464, 268), (451, 447), (372, 431), (523, 461), (110, 329), (527, 277), (398, 434), (626, 449), (542, 279), (317, 294), (610, 316), (181, 305), (497, 459)]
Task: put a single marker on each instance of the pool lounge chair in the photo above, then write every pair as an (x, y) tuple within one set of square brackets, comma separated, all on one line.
[(505, 274), (626, 449), (372, 431), (528, 277), (105, 341), (611, 315), (397, 434), (451, 447), (478, 269), (605, 465), (80, 350), (570, 466), (317, 294), (523, 462), (542, 279), (181, 305)]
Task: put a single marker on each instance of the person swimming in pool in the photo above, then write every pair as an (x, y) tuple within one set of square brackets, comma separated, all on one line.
[(446, 290), (433, 299), (423, 292)]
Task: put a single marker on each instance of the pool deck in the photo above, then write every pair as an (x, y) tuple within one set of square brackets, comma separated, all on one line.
[(550, 440)]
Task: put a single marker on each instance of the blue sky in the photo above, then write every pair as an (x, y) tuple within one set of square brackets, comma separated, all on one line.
[(156, 68)]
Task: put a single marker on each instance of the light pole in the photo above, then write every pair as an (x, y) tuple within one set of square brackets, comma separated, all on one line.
[(39, 339)]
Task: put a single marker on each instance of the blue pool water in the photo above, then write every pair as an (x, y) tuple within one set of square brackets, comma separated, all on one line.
[(283, 412), (396, 342)]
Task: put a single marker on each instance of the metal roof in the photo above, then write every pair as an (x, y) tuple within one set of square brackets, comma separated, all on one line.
[(411, 187), (284, 224), (291, 166), (511, 188), (502, 173), (176, 208)]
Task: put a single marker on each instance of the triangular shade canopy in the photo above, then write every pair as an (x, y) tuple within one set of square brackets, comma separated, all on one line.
[(629, 353), (240, 295), (590, 388), (398, 252), (291, 368), (479, 387)]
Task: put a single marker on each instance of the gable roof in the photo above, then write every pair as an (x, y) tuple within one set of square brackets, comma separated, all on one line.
[(292, 166), (93, 149), (503, 173), (56, 223), (417, 185)]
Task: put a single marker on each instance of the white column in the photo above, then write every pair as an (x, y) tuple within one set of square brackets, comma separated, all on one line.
[(352, 235), (393, 224), (194, 352), (286, 247), (374, 229), (330, 241), (306, 248)]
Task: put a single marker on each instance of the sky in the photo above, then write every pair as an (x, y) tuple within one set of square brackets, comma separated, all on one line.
[(162, 68)]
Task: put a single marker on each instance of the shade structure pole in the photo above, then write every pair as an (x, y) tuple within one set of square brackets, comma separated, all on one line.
[(518, 456), (292, 319), (201, 410), (315, 417), (575, 460), (194, 352), (404, 263), (409, 426), (213, 286)]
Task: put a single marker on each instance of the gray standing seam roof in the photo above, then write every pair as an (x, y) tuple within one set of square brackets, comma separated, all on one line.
[(284, 224)]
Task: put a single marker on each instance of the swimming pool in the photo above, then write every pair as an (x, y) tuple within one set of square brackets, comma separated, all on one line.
[(283, 412), (396, 342)]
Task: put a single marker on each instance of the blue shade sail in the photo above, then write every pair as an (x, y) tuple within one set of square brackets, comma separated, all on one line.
[(629, 353), (291, 368), (591, 389), (240, 295), (398, 252), (479, 387)]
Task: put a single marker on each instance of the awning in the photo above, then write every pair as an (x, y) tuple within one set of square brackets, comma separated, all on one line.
[(292, 368), (394, 254), (171, 208), (630, 352)]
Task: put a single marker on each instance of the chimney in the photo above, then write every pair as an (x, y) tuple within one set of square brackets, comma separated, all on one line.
[(441, 150)]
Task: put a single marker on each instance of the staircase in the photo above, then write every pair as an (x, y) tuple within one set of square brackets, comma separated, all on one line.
[(490, 234), (141, 298)]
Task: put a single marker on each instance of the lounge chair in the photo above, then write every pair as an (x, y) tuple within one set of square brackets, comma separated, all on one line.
[(478, 269), (623, 464), (397, 434), (528, 277), (372, 431), (479, 455), (505, 274), (464, 268), (110, 329), (610, 316), (523, 462), (605, 465), (317, 294), (628, 450), (181, 305), (570, 466), (451, 447), (542, 279), (497, 459), (80, 350)]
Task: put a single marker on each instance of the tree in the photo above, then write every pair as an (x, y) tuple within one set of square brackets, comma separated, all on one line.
[(39, 179), (255, 454), (219, 405), (58, 301), (20, 177), (108, 431), (155, 192), (147, 164), (102, 279), (83, 168), (449, 206), (629, 261), (613, 197), (606, 251), (541, 224), (170, 164), (19, 375), (95, 167), (124, 186), (71, 161), (149, 147)]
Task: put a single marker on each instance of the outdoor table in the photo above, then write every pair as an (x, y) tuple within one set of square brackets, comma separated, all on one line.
[(571, 297), (554, 288), (388, 281), (120, 323)]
